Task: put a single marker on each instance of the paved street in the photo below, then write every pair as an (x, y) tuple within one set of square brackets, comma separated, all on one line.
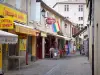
[(71, 65)]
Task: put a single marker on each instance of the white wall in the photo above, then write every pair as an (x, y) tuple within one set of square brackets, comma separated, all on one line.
[(74, 13), (97, 37), (33, 10)]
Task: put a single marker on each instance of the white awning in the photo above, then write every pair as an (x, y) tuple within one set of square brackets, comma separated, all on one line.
[(8, 38), (59, 36)]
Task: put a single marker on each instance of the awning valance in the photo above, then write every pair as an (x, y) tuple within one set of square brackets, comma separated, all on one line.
[(8, 38), (19, 28)]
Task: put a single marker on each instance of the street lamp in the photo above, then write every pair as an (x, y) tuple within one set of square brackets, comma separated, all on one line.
[(65, 25), (43, 13)]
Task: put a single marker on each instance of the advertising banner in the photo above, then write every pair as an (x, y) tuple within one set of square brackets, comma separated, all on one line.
[(22, 45)]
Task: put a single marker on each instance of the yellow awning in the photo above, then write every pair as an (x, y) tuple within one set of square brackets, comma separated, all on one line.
[(25, 29)]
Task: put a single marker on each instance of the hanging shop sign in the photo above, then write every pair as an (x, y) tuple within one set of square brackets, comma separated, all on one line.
[(22, 45), (17, 15), (50, 21), (6, 23)]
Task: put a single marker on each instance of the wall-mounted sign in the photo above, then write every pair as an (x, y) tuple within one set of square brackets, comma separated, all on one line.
[(6, 23), (22, 45), (50, 21), (17, 15), (43, 34)]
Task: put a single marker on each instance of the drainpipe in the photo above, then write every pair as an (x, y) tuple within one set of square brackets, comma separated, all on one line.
[(27, 36), (43, 47), (92, 2)]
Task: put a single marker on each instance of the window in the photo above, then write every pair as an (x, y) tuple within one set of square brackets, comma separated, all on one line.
[(80, 18), (81, 27), (80, 8), (67, 17), (81, 24), (65, 7), (18, 4)]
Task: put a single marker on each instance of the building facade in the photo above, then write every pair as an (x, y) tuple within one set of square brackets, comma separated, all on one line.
[(94, 35), (73, 10)]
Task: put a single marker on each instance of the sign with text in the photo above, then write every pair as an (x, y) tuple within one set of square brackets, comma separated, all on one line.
[(50, 21), (6, 23), (17, 15)]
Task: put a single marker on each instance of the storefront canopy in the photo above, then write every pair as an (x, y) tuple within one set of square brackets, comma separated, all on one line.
[(8, 38), (59, 36)]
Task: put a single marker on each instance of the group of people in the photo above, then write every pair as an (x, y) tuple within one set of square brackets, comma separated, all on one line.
[(66, 49)]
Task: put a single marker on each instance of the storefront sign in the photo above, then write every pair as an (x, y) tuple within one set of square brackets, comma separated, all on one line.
[(6, 23), (50, 21), (43, 34), (22, 45), (17, 15), (25, 30)]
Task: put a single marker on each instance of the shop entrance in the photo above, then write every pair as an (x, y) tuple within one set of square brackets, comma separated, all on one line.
[(39, 47), (49, 41)]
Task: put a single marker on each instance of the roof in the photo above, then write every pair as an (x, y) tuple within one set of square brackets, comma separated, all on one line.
[(80, 31), (71, 2), (54, 12)]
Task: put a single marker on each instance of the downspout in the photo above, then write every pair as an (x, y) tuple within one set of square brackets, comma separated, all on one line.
[(27, 36), (92, 16)]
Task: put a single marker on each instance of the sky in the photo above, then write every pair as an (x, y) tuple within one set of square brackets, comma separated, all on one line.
[(51, 3)]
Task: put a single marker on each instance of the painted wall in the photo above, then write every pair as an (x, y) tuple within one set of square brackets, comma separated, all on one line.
[(97, 37), (90, 43)]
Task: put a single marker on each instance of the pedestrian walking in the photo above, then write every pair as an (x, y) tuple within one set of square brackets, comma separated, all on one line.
[(74, 48), (51, 51)]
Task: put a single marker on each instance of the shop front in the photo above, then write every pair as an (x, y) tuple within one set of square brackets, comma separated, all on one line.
[(55, 40), (5, 39), (49, 42), (26, 47), (25, 50), (41, 45)]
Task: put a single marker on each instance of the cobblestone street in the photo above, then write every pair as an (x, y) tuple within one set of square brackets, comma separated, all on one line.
[(71, 65)]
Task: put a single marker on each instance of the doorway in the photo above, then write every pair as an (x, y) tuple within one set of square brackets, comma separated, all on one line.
[(39, 47)]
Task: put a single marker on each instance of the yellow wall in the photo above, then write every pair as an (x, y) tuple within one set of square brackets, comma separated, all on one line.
[(34, 46)]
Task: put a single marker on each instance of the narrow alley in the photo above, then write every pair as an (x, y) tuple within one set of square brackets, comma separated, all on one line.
[(70, 65)]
